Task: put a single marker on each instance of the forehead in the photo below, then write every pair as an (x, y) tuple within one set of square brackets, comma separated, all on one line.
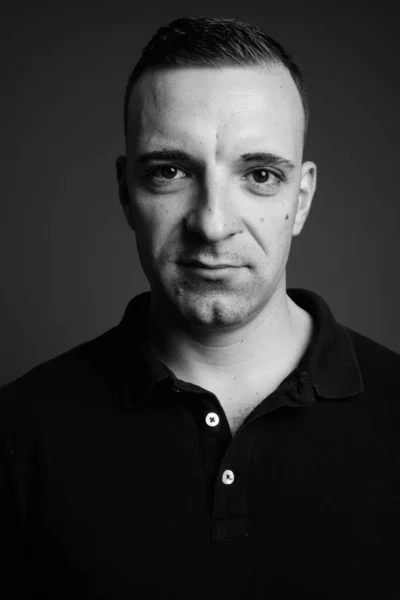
[(228, 109)]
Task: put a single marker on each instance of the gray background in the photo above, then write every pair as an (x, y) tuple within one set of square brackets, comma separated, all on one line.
[(68, 259)]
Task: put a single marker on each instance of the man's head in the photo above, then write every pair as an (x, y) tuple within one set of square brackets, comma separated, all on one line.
[(216, 43), (215, 117)]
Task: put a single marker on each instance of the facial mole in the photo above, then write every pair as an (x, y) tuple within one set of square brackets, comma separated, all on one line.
[(262, 219), (286, 218)]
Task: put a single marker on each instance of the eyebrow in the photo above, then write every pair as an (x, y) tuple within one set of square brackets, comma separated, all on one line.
[(261, 157), (267, 158)]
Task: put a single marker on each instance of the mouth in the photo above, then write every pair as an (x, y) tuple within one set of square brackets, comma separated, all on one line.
[(197, 264), (210, 271)]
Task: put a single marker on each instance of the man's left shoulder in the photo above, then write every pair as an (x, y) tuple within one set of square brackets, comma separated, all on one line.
[(368, 349), (379, 365)]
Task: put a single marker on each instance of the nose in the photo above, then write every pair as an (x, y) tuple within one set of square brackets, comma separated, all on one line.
[(213, 215)]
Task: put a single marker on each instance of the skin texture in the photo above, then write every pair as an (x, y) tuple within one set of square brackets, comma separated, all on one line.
[(210, 209)]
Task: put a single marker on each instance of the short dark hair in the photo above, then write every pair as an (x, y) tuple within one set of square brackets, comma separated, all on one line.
[(213, 42)]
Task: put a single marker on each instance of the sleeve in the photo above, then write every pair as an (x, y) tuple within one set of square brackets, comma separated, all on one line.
[(11, 529)]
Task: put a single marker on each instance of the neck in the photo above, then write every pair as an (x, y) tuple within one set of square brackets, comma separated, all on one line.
[(264, 340)]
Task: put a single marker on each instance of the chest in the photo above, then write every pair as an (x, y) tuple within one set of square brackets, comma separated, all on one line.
[(298, 494)]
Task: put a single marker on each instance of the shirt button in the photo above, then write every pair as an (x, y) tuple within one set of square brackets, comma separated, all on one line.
[(212, 419), (228, 477)]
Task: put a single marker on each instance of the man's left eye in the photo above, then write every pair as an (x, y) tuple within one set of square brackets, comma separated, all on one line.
[(265, 177)]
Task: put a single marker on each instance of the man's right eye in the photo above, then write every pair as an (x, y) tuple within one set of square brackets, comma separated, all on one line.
[(163, 174)]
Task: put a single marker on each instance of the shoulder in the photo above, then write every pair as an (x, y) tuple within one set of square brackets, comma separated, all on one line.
[(373, 355), (100, 359), (88, 380), (380, 371), (83, 360), (82, 376)]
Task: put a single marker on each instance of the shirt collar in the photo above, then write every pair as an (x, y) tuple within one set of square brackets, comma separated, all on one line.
[(330, 359), (329, 364)]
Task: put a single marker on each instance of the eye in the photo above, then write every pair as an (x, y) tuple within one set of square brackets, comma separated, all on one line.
[(265, 178), (163, 174), (168, 171)]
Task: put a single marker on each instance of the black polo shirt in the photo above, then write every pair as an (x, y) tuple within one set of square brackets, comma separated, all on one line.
[(121, 481)]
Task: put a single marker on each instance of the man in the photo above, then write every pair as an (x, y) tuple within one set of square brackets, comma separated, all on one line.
[(228, 439)]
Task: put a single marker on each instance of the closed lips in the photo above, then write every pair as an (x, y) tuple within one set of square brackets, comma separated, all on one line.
[(209, 266)]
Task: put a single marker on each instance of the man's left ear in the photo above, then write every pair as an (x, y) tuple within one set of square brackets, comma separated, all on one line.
[(308, 184), (123, 193)]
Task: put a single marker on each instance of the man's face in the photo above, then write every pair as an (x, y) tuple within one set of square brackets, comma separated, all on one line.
[(215, 211)]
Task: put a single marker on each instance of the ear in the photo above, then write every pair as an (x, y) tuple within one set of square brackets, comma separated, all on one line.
[(120, 165), (308, 184)]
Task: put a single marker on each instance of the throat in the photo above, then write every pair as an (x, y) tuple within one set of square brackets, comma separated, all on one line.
[(240, 380), (237, 412), (240, 400)]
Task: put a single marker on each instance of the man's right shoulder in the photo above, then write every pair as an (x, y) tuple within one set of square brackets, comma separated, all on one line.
[(91, 369)]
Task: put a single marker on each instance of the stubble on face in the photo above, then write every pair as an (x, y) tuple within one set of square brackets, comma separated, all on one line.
[(225, 303), (210, 303)]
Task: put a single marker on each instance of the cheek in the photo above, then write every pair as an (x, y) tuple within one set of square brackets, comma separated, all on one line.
[(275, 221), (286, 219), (262, 219), (155, 226), (286, 231), (274, 229)]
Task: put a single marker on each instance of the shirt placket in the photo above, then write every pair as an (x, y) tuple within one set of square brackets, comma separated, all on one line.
[(229, 512), (214, 434), (230, 506), (228, 459), (227, 462)]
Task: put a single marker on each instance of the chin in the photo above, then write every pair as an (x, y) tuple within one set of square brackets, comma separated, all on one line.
[(212, 309)]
